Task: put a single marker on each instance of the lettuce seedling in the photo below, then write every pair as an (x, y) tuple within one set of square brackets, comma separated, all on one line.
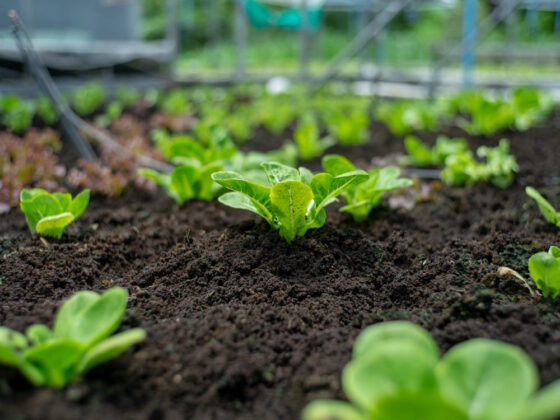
[(308, 140), (361, 199), (80, 339), (396, 373), (403, 117), (191, 179), (293, 202), (275, 114), (422, 156), (175, 103), (544, 268), (464, 169), (112, 112), (530, 107), (49, 214), (88, 98), (549, 212), (349, 129), (17, 114), (46, 111), (126, 96)]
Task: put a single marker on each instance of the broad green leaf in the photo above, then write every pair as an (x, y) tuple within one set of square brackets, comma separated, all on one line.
[(65, 199), (290, 201), (390, 368), (12, 339), (548, 212), (259, 194), (205, 189), (160, 179), (545, 271), (417, 406), (394, 330), (337, 165), (71, 310), (101, 318), (41, 205), (554, 251), (544, 405), (184, 147), (418, 153), (38, 333), (241, 201), (182, 182), (306, 175), (487, 379), (277, 172), (12, 358), (332, 410), (54, 226), (9, 356), (109, 349), (326, 187), (79, 204), (56, 359)]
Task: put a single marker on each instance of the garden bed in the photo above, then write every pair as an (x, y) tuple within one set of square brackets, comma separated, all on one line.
[(242, 325)]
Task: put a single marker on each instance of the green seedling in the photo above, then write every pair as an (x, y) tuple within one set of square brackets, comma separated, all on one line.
[(544, 268), (307, 138), (16, 114), (360, 199), (499, 167), (550, 214), (403, 117), (349, 129), (46, 111), (396, 373), (294, 200), (127, 97), (112, 112), (88, 98), (175, 103), (80, 339), (422, 156), (48, 214)]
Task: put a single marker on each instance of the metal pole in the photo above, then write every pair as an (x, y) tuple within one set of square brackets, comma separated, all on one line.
[(240, 37), (469, 40), (304, 42)]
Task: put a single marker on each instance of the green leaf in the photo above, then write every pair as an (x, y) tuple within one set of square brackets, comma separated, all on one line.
[(417, 407), (56, 359), (158, 178), (544, 405), (238, 200), (394, 330), (326, 187), (12, 339), (290, 201), (100, 318), (545, 207), (487, 379), (277, 172), (53, 226), (418, 153), (545, 272), (390, 368), (43, 205), (71, 310), (337, 165), (331, 410), (38, 333), (79, 204), (182, 182), (65, 199), (109, 349)]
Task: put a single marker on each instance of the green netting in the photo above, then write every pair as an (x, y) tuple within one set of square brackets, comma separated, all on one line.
[(290, 19)]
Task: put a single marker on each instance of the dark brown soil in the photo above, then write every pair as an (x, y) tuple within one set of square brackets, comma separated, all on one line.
[(243, 326)]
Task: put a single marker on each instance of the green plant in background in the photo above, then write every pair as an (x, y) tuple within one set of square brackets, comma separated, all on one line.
[(191, 179), (239, 123), (488, 117), (421, 155), (46, 111), (87, 99), (530, 107), (396, 373), (307, 138), (175, 102), (49, 214), (80, 339), (126, 96), (293, 202), (276, 113), (112, 112), (499, 167), (349, 129), (550, 214), (16, 113), (544, 268), (403, 117), (360, 199)]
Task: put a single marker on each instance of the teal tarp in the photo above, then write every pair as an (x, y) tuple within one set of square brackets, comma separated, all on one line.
[(290, 19)]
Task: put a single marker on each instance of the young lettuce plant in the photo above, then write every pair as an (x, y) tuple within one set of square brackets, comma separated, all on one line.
[(308, 140), (361, 199), (49, 214), (46, 111), (550, 214), (544, 268), (80, 339), (349, 129), (16, 114), (293, 202), (191, 178), (422, 156), (87, 99), (396, 373)]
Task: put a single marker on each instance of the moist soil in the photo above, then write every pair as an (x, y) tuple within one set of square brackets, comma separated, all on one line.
[(241, 325)]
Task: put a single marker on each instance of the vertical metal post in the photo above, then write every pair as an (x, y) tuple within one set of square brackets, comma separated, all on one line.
[(557, 18), (469, 40), (240, 37), (304, 42)]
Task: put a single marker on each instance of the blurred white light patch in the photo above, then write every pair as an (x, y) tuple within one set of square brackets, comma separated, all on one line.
[(277, 85)]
